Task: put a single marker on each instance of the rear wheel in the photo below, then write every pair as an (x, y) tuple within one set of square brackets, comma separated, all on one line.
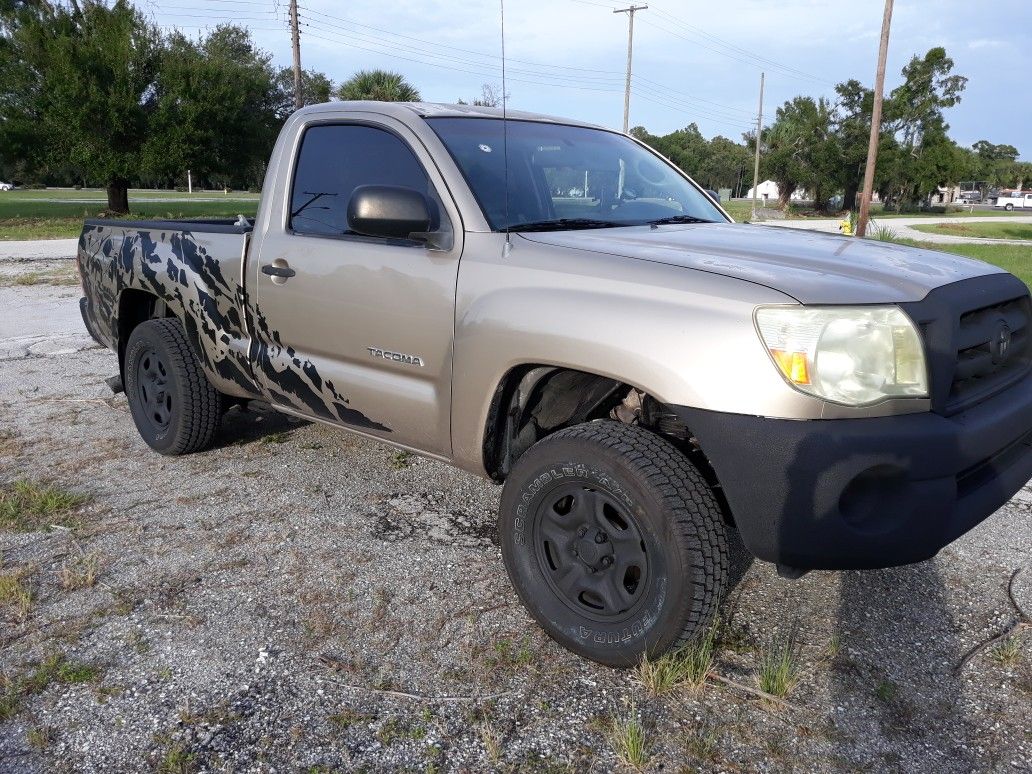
[(1008, 207), (174, 406), (614, 542)]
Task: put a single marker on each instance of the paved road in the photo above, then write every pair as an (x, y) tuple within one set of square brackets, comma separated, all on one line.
[(902, 227), (35, 249)]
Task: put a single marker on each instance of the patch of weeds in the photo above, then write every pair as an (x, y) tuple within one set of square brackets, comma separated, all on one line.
[(127, 600), (389, 731), (779, 664), (280, 437), (15, 596), (26, 506), (400, 460), (732, 637), (504, 655), (310, 445), (106, 692), (56, 668), (348, 717), (40, 737), (702, 742), (10, 444), (1008, 652), (629, 741), (80, 572), (56, 277), (881, 233), (138, 642), (178, 760), (834, 647), (690, 665), (887, 690), (492, 744)]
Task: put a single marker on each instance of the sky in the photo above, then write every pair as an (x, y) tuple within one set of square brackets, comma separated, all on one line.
[(693, 61)]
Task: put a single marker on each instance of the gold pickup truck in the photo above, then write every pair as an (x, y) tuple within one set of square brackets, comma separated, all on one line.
[(664, 393)]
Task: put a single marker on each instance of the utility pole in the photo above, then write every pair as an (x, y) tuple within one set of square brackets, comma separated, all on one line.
[(872, 144), (756, 164), (295, 36), (630, 46)]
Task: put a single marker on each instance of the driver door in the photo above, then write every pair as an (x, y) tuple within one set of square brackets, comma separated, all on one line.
[(351, 329)]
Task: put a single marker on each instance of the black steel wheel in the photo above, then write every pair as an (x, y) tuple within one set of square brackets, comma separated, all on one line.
[(155, 393), (175, 408), (614, 542), (591, 550)]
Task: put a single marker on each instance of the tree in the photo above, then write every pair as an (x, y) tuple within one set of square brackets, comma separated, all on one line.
[(215, 109), (914, 117), (853, 129), (378, 85), (490, 96), (77, 89), (316, 88), (802, 150)]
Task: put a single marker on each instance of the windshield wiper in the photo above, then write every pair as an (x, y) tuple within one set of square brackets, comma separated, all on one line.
[(564, 224), (678, 219)]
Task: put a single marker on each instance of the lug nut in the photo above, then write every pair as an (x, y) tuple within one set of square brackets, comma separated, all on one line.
[(601, 537), (607, 561), (582, 531)]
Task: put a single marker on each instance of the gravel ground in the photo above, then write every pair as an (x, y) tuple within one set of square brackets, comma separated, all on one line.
[(299, 599)]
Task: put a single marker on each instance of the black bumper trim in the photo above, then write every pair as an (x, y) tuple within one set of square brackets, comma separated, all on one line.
[(865, 493)]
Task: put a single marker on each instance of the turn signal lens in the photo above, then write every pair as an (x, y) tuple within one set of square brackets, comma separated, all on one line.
[(792, 365)]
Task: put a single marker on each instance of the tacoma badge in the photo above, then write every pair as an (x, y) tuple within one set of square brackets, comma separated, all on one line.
[(397, 357)]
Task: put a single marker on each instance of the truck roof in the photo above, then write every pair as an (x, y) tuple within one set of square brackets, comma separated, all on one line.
[(404, 110)]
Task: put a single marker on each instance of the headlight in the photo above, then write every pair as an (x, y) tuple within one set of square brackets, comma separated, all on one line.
[(856, 355)]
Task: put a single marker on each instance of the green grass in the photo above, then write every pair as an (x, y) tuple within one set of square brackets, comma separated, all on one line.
[(629, 742), (52, 214), (779, 665), (26, 506), (56, 668), (1017, 259), (980, 230), (689, 665)]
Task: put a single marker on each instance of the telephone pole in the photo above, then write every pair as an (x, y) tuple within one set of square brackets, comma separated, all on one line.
[(295, 36), (756, 164), (872, 144), (630, 46)]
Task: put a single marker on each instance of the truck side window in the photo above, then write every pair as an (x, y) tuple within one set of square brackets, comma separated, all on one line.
[(334, 160)]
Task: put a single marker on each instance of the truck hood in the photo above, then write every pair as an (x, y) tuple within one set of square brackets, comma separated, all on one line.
[(809, 266)]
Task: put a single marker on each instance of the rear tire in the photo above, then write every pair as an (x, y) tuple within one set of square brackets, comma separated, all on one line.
[(174, 406), (614, 542)]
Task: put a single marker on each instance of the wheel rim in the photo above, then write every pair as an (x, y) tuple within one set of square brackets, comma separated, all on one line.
[(153, 390), (591, 551)]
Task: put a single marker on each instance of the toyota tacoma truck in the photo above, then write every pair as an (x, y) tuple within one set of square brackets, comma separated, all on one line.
[(664, 393)]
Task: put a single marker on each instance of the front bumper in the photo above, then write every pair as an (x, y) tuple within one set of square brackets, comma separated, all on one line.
[(840, 494)]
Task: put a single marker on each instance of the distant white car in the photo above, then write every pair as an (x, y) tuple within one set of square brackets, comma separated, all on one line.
[(6, 186)]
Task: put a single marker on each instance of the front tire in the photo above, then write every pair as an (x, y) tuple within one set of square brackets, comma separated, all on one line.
[(174, 406), (614, 542)]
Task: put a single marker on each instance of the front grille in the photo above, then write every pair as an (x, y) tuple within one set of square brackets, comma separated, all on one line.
[(991, 347), (959, 321)]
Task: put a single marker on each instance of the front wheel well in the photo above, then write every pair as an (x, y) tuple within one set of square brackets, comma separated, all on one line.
[(534, 401)]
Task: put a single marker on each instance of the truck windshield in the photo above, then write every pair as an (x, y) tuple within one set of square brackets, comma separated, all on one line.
[(568, 177)]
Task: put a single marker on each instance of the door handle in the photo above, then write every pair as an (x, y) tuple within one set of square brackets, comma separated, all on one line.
[(278, 271)]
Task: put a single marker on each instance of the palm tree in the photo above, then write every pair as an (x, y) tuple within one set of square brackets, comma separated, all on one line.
[(379, 85)]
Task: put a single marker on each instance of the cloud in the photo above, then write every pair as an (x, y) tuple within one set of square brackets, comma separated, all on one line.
[(979, 43)]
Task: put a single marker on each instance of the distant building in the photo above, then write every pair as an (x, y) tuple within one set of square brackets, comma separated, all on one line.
[(769, 191)]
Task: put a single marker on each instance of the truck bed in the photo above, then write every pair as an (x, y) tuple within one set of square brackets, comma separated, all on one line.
[(194, 267)]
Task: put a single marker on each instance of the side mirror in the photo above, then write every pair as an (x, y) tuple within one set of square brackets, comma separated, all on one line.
[(389, 211)]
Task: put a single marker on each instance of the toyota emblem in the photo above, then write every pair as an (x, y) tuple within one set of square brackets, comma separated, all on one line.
[(1000, 343)]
